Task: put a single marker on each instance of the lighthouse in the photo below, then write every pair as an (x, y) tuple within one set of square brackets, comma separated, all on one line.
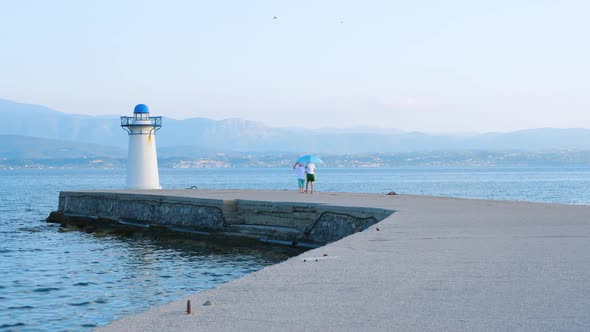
[(142, 162)]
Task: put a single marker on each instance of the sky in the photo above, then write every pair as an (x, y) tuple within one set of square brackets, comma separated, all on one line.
[(432, 66)]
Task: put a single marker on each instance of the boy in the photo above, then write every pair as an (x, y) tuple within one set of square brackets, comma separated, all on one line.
[(310, 176)]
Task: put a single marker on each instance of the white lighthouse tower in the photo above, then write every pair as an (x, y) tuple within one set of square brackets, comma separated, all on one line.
[(142, 162)]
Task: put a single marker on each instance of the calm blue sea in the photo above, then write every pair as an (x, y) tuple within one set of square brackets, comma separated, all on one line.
[(53, 280)]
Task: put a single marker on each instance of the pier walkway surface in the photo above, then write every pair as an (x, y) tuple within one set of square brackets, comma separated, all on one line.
[(435, 264)]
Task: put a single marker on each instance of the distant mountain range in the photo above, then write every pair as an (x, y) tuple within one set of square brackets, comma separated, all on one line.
[(237, 135)]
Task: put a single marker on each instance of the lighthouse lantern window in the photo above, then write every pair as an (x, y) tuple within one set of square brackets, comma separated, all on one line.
[(142, 116)]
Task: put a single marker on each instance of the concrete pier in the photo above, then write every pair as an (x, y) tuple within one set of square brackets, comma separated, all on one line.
[(220, 214), (434, 264)]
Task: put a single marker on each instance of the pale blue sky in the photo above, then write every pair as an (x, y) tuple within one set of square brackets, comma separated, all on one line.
[(436, 66)]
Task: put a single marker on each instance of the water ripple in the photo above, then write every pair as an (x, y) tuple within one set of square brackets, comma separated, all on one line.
[(79, 304), (20, 307), (45, 289), (5, 326)]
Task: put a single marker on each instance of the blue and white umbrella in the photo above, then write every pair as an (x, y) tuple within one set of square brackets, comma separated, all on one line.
[(309, 158)]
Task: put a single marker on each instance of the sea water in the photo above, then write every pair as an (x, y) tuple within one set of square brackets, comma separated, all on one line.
[(54, 279)]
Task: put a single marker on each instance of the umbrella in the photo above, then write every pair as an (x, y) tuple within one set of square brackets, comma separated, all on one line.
[(309, 158)]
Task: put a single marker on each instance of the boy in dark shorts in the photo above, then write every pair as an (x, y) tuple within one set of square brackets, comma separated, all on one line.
[(309, 176)]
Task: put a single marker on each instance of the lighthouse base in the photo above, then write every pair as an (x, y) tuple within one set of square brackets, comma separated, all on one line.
[(142, 163)]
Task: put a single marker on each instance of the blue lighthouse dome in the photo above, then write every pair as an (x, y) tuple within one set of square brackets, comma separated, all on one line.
[(141, 108)]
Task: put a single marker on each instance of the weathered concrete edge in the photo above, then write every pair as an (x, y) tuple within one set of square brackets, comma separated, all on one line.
[(219, 202), (276, 232)]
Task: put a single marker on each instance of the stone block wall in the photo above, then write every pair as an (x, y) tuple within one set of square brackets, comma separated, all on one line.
[(146, 209), (286, 221)]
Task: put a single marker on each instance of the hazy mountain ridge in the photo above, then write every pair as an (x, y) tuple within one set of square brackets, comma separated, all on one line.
[(25, 147), (238, 135), (40, 121)]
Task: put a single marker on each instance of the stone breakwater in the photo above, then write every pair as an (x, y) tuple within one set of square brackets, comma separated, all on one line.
[(180, 213)]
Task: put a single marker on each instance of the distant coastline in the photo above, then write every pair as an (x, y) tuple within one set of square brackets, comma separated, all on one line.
[(366, 160)]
